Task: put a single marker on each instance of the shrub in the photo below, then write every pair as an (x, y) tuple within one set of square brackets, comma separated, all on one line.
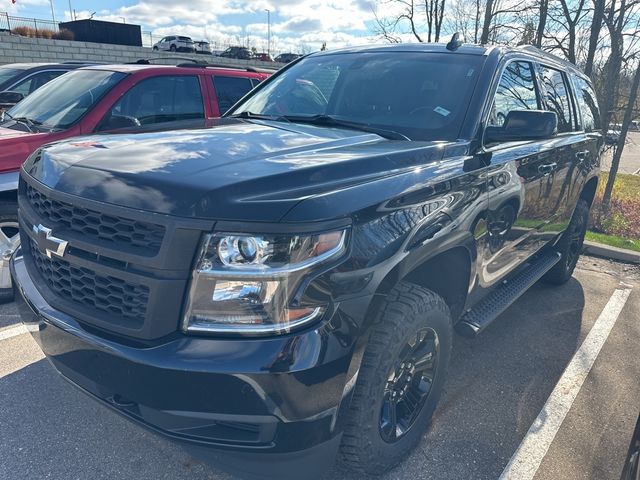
[(622, 219), (43, 33), (25, 31)]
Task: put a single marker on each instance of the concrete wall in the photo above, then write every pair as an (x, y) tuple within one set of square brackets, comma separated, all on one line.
[(17, 49)]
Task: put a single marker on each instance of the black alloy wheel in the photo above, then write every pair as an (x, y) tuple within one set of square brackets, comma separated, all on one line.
[(409, 385)]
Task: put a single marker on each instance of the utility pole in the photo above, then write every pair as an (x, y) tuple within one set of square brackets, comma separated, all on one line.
[(70, 11), (268, 30), (53, 15)]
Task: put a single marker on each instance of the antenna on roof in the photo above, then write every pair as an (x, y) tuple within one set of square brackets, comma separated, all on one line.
[(457, 39)]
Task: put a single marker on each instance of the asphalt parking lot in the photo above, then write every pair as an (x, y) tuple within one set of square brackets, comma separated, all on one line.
[(499, 384)]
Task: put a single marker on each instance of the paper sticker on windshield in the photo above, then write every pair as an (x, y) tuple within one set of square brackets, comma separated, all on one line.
[(442, 111)]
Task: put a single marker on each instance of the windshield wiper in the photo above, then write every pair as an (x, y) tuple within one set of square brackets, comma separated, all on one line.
[(258, 116), (331, 121), (27, 122)]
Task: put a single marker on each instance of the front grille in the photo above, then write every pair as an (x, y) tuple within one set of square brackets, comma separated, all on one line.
[(85, 288), (117, 232)]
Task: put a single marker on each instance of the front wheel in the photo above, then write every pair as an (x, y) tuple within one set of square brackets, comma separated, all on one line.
[(173, 48), (570, 246), (400, 380)]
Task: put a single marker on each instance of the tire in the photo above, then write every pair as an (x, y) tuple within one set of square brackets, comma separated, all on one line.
[(9, 229), (369, 445), (570, 246), (173, 48), (155, 49)]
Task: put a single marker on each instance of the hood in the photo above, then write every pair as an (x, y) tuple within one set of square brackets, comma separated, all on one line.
[(7, 133), (237, 170)]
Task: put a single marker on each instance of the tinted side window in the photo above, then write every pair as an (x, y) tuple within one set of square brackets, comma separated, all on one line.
[(29, 85), (229, 90), (162, 99), (516, 91), (556, 96), (588, 104)]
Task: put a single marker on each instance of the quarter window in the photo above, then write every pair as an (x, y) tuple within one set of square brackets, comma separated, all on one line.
[(588, 105), (556, 96), (516, 91), (161, 99), (229, 90)]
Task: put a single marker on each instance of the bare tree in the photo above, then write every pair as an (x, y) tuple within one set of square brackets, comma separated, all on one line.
[(408, 17), (434, 11), (543, 8), (594, 35), (387, 27), (629, 113)]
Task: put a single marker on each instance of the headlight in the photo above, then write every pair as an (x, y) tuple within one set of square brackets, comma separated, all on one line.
[(243, 283)]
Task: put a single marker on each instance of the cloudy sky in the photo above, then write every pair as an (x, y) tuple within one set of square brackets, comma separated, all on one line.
[(295, 24)]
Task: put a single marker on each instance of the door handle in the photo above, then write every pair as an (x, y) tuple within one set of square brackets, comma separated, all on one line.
[(547, 168)]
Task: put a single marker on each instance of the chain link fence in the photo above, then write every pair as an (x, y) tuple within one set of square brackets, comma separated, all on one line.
[(36, 26)]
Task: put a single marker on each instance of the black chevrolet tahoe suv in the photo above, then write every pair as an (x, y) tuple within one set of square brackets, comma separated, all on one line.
[(284, 286)]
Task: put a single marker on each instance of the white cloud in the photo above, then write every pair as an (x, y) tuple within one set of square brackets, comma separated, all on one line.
[(297, 25)]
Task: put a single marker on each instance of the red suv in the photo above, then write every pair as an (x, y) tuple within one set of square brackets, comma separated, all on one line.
[(110, 99)]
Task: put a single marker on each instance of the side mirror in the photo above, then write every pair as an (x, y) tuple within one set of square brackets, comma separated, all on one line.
[(9, 99), (116, 122), (523, 125)]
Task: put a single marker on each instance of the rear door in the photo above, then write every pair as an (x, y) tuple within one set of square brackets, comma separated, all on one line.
[(570, 148)]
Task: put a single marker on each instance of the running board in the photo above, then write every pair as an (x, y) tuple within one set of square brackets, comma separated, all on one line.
[(478, 318)]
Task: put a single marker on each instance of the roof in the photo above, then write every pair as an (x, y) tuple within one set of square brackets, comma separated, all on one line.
[(31, 66), (410, 47), (468, 49), (133, 68)]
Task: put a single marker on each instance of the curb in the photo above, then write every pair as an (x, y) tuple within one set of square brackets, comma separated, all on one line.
[(612, 253)]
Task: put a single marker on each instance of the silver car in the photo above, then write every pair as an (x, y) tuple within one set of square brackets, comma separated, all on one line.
[(174, 43)]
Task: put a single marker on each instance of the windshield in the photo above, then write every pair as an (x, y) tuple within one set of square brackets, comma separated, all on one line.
[(7, 74), (62, 101), (422, 96)]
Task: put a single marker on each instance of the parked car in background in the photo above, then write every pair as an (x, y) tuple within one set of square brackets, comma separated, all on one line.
[(287, 57), (241, 53), (613, 135), (175, 43), (19, 80), (263, 57), (112, 99), (202, 47)]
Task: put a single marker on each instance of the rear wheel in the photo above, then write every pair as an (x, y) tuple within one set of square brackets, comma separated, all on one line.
[(173, 48), (400, 380), (9, 241), (570, 246)]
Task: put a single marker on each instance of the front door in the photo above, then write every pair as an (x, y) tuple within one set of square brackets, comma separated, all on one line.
[(520, 180)]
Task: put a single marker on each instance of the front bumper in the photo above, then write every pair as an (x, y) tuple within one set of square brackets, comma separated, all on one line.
[(270, 397)]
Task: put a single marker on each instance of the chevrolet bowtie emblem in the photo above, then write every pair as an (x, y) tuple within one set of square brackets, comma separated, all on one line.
[(47, 243)]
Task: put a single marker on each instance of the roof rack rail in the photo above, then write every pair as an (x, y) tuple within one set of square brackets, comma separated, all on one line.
[(542, 53), (203, 64), (81, 62), (230, 67), (148, 61)]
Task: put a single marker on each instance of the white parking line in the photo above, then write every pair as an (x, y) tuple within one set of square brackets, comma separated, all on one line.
[(16, 330), (527, 459)]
